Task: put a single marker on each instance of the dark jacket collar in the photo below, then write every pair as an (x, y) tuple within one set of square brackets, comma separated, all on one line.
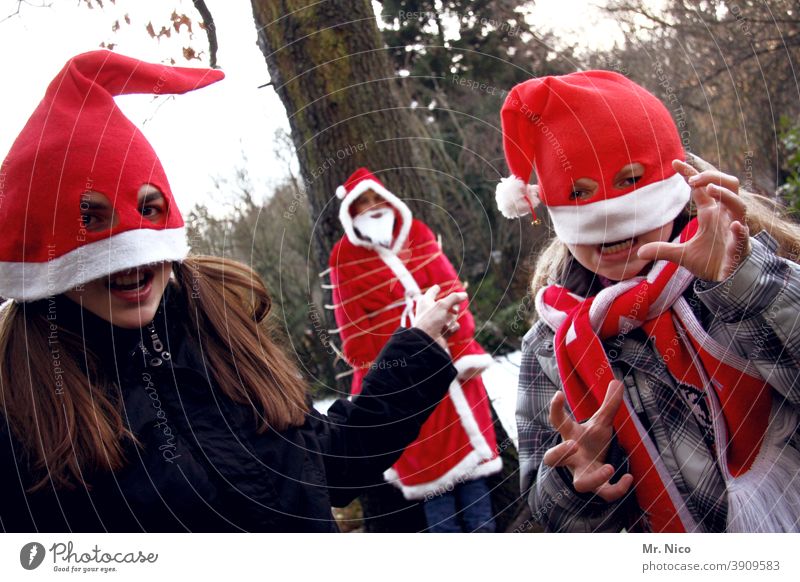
[(113, 345)]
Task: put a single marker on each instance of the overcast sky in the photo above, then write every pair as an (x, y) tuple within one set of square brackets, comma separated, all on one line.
[(201, 135)]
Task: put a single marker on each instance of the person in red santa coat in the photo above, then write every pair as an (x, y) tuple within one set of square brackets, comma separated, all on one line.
[(384, 261)]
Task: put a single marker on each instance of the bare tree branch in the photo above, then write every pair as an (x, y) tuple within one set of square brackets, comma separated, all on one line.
[(211, 30), (19, 6)]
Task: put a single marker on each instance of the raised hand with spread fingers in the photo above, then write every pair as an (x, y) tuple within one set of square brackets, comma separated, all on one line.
[(585, 446), (722, 241)]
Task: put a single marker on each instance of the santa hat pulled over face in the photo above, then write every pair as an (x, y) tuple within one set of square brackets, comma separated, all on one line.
[(591, 125), (357, 184), (77, 142)]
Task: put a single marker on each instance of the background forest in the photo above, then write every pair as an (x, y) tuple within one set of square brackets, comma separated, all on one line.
[(726, 70)]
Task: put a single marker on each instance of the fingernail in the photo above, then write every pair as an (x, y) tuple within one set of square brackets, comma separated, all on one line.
[(693, 179)]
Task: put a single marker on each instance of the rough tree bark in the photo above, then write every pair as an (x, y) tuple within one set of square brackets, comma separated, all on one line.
[(327, 63)]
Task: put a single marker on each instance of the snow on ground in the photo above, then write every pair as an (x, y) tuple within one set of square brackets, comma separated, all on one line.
[(501, 384), (501, 380)]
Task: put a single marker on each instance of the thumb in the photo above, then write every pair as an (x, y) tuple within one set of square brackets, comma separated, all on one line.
[(452, 301), (661, 250), (432, 293)]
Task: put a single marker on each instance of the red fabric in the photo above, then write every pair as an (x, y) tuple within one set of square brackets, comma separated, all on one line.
[(78, 140), (585, 374), (586, 125), (363, 285), (355, 178)]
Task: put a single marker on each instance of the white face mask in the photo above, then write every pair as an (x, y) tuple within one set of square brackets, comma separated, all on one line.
[(376, 226)]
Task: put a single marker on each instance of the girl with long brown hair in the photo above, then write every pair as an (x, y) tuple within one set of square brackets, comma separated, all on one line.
[(658, 389), (140, 387)]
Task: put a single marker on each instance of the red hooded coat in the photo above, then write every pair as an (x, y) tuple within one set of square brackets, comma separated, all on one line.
[(370, 287)]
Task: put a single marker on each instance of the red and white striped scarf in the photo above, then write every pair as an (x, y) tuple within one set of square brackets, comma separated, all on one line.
[(655, 304)]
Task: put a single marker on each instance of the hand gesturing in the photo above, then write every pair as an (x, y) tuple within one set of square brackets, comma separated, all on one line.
[(585, 446), (722, 240), (438, 318)]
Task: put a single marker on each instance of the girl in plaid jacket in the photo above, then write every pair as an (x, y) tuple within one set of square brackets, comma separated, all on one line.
[(659, 387)]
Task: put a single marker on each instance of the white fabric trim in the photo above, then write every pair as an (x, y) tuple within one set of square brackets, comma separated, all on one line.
[(550, 315), (604, 300), (623, 217), (767, 497), (133, 248), (347, 220), (476, 464), (710, 345), (407, 318), (471, 361), (468, 422), (468, 469), (400, 270)]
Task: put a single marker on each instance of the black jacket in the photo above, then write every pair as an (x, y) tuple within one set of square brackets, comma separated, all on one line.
[(201, 465)]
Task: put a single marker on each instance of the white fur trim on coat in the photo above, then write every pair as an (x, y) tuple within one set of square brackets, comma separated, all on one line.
[(476, 438), (480, 461), (472, 361), (133, 248), (394, 201), (400, 271), (468, 469), (623, 217)]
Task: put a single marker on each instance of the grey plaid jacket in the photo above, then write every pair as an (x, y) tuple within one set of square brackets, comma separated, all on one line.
[(756, 312)]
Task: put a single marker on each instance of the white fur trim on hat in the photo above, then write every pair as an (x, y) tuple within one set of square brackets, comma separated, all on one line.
[(510, 196), (347, 220), (132, 248), (623, 217)]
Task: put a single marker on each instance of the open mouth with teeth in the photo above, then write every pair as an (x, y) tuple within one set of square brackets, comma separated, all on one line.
[(617, 247), (133, 284)]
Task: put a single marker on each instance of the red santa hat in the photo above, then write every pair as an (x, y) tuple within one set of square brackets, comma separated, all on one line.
[(359, 182), (79, 141), (590, 125)]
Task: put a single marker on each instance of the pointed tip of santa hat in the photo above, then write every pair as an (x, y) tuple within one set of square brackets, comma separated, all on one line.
[(101, 68), (341, 192), (515, 198)]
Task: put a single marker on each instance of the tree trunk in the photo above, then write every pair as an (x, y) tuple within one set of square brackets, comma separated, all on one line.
[(327, 63)]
